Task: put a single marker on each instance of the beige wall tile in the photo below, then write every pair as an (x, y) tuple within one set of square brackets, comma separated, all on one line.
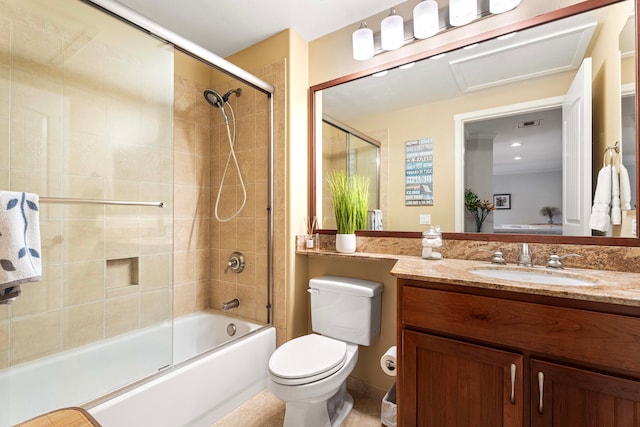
[(35, 336), (155, 307), (122, 237), (183, 268), (122, 315), (184, 299), (41, 296), (83, 324), (84, 240), (83, 282), (247, 296), (156, 272)]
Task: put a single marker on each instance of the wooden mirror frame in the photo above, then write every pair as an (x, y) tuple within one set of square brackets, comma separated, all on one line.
[(518, 26)]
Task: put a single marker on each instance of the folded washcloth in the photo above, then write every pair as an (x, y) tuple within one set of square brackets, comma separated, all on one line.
[(625, 189), (19, 243), (600, 219), (616, 213)]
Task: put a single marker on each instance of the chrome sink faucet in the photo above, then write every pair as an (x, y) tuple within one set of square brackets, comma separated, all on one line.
[(524, 259)]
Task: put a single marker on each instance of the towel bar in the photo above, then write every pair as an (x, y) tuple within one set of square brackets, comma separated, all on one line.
[(99, 202)]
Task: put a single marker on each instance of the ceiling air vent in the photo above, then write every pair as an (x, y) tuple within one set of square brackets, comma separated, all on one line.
[(528, 123)]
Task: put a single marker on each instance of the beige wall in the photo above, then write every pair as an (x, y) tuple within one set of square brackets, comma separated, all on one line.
[(85, 112)]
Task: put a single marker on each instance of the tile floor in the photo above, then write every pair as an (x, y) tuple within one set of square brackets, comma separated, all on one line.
[(266, 410)]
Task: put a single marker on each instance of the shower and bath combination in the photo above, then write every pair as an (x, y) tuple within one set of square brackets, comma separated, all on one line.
[(219, 101)]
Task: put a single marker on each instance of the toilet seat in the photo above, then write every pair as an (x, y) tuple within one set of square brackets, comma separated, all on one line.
[(307, 359)]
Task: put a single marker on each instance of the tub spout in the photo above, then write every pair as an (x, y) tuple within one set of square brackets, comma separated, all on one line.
[(234, 303)]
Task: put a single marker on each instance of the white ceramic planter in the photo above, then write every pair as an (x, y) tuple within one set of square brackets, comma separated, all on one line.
[(346, 243)]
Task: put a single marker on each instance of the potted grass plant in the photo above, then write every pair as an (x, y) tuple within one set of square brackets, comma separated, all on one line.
[(350, 196)]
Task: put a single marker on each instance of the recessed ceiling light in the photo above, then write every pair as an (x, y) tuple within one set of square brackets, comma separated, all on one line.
[(507, 36), (517, 158), (381, 73), (407, 66), (515, 144)]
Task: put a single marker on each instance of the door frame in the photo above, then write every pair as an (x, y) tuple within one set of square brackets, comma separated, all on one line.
[(460, 120)]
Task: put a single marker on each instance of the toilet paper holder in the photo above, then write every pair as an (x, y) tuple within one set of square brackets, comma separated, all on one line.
[(390, 364)]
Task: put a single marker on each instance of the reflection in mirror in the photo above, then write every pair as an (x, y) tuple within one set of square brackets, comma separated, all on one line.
[(344, 148), (467, 93)]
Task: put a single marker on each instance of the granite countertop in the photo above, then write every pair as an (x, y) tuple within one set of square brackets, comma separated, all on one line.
[(609, 286)]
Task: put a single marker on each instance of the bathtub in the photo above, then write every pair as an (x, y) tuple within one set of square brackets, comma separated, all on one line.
[(196, 392), (212, 373)]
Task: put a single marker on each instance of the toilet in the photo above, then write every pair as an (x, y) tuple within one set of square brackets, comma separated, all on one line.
[(310, 372)]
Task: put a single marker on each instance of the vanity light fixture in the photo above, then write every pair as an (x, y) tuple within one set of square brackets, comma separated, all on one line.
[(425, 19), (426, 23), (501, 6), (362, 40), (461, 12), (392, 31)]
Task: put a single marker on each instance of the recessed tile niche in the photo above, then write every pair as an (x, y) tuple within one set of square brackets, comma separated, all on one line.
[(122, 272)]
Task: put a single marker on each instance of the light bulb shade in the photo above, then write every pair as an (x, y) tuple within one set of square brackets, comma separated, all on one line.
[(425, 19), (362, 40), (392, 31), (501, 6), (461, 12)]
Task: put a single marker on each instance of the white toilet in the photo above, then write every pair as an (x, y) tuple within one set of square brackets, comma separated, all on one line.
[(310, 372)]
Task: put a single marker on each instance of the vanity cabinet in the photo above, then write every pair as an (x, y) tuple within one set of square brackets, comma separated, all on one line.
[(471, 357)]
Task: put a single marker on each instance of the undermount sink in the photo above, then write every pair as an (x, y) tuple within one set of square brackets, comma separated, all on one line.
[(544, 277)]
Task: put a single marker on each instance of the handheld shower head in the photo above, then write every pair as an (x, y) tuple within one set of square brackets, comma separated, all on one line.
[(214, 98), (217, 100)]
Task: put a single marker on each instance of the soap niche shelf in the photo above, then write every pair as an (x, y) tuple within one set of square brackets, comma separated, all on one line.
[(122, 272)]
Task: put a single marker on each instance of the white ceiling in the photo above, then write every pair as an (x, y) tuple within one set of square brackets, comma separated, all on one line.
[(228, 26)]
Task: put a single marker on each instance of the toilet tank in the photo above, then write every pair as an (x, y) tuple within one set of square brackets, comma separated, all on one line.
[(345, 308)]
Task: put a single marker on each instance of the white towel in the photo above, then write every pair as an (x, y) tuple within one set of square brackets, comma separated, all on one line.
[(625, 189), (616, 213), (19, 243), (599, 219)]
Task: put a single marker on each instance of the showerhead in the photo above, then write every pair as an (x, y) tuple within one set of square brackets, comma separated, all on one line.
[(214, 98), (217, 100)]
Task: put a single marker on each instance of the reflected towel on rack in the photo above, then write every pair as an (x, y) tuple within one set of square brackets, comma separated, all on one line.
[(616, 213), (625, 189), (19, 243), (600, 219)]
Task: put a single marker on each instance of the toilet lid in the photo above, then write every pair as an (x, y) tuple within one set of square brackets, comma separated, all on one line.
[(307, 359)]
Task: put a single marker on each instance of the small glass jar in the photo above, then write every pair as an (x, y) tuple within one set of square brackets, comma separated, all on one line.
[(431, 240)]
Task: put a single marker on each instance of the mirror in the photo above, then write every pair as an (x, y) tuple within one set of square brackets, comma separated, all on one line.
[(447, 98)]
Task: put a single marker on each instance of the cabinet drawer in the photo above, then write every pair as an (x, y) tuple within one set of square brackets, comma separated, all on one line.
[(592, 337)]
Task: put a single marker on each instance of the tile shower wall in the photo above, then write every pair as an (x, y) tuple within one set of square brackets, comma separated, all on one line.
[(202, 243), (86, 112)]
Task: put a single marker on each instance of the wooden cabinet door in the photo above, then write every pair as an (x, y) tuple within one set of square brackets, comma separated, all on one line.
[(573, 397), (455, 384)]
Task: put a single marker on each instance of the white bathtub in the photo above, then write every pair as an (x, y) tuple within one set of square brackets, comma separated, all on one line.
[(200, 391), (192, 392)]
